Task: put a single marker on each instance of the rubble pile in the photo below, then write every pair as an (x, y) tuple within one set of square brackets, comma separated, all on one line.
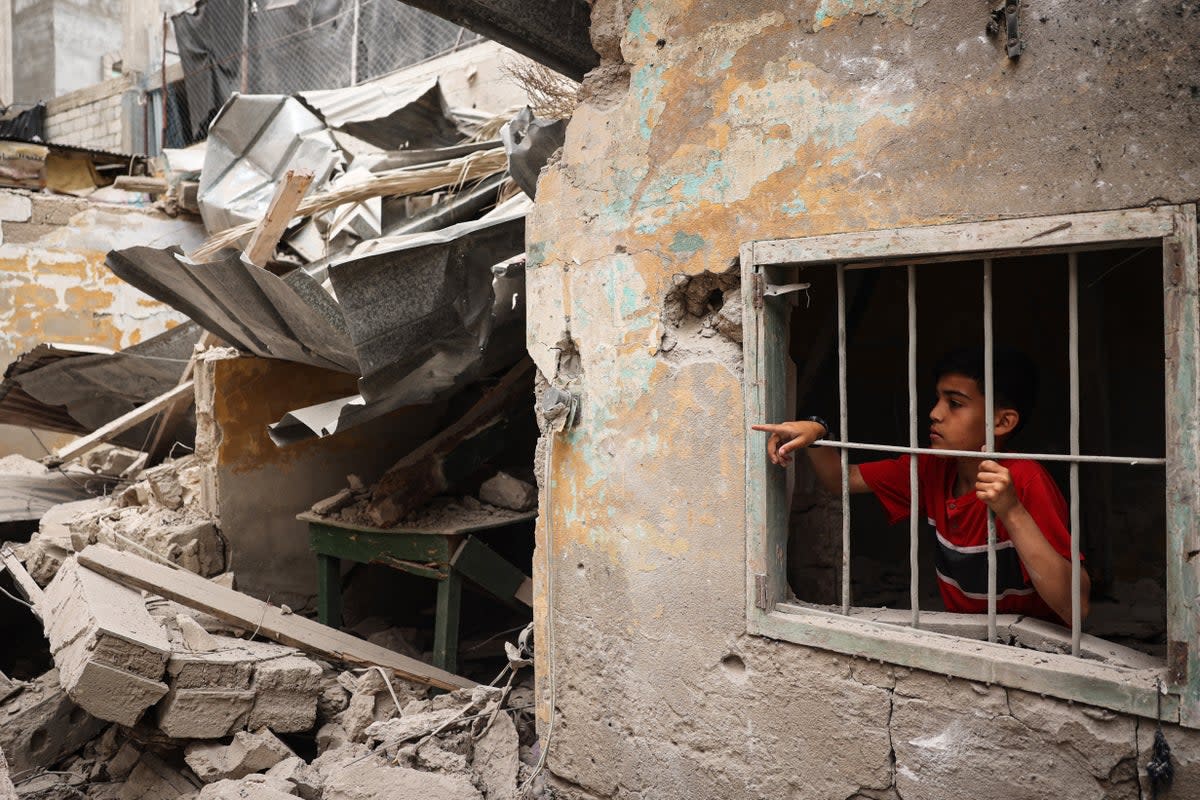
[(381, 237), (151, 699)]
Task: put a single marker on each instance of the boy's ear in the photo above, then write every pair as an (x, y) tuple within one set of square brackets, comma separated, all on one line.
[(1006, 420)]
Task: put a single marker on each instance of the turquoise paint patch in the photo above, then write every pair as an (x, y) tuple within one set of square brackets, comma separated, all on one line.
[(686, 242), (535, 255), (647, 83), (796, 206), (638, 24), (840, 159)]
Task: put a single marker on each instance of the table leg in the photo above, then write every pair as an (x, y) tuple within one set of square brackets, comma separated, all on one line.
[(445, 626), (329, 590)]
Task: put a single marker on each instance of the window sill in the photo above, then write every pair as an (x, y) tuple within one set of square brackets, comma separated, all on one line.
[(1129, 690)]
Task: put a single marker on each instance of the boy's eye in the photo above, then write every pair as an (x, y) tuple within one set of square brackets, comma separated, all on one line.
[(955, 404)]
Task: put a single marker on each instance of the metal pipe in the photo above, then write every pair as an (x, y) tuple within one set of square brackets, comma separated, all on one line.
[(1073, 338), (844, 424), (989, 387), (354, 45), (913, 496), (1131, 461)]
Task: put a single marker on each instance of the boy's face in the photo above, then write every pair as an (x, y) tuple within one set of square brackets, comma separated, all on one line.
[(957, 421)]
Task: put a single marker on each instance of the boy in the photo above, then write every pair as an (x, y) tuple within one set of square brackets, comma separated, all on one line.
[(1033, 551)]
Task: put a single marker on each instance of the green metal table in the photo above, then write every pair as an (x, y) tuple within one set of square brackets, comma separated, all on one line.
[(444, 555)]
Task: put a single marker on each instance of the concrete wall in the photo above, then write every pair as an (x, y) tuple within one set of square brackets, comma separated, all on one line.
[(257, 489), (6, 45), (84, 32), (32, 50), (711, 124), (94, 116), (55, 287)]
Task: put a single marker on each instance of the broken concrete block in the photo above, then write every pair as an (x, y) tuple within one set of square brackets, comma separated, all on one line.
[(164, 486), (396, 731), (204, 713), (247, 753), (505, 491), (335, 503), (40, 725), (194, 637), (7, 790), (497, 759), (120, 765), (333, 698), (155, 779), (371, 778), (252, 787), (221, 668), (15, 207), (305, 780), (109, 650), (8, 687), (331, 736), (287, 690)]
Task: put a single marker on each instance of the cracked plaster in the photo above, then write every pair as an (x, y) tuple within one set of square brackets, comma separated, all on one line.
[(709, 125)]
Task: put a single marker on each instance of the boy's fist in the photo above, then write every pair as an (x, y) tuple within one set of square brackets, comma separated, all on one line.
[(788, 436), (993, 485)]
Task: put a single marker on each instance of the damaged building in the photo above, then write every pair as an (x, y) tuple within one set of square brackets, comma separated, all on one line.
[(445, 483)]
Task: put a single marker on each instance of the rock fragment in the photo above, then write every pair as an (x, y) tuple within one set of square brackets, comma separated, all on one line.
[(41, 725), (505, 491), (246, 754)]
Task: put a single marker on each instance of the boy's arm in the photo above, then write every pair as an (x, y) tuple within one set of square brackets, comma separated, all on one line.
[(786, 437), (1049, 571)]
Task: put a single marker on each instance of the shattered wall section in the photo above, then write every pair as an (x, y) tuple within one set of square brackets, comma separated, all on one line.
[(744, 123), (258, 488), (54, 285)]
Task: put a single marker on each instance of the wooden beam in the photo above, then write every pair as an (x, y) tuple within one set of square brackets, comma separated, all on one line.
[(141, 183), (965, 240), (435, 465), (21, 579), (284, 203), (117, 426), (172, 415), (247, 612)]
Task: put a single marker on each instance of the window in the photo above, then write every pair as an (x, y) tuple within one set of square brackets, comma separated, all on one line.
[(778, 272)]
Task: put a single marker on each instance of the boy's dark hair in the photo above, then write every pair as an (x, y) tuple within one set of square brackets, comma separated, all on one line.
[(1015, 377)]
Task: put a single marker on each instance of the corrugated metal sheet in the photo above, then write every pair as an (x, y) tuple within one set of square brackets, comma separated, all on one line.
[(420, 306), (76, 389), (253, 142), (388, 114), (290, 318)]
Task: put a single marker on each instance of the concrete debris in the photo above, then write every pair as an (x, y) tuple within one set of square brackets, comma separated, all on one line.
[(155, 779), (204, 713), (305, 781), (41, 725), (252, 787), (371, 779), (109, 651), (246, 754), (7, 790), (497, 760), (8, 687), (505, 491), (161, 513)]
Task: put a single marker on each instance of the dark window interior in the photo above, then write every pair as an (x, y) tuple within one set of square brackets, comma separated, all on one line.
[(1122, 411)]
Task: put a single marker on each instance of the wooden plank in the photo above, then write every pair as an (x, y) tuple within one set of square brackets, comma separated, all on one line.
[(1181, 330), (1127, 225), (489, 570), (1129, 691), (282, 208), (255, 615), (21, 579), (117, 426), (141, 183), (172, 415)]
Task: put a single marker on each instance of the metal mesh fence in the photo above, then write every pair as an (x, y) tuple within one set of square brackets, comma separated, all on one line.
[(283, 47)]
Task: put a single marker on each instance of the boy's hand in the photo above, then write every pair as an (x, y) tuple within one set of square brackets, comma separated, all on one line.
[(994, 486), (789, 436)]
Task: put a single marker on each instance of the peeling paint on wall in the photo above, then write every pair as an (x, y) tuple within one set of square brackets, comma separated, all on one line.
[(54, 284)]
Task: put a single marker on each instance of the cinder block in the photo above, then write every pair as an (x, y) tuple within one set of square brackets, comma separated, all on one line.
[(204, 713), (287, 691), (15, 207)]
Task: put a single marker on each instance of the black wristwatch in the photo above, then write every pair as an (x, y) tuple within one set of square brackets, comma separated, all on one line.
[(822, 423)]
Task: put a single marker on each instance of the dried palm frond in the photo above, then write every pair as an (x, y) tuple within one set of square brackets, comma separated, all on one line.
[(393, 183), (551, 94)]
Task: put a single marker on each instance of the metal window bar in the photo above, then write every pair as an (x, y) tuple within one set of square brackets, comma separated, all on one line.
[(989, 397), (844, 424), (913, 496), (875, 447), (1073, 337)]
